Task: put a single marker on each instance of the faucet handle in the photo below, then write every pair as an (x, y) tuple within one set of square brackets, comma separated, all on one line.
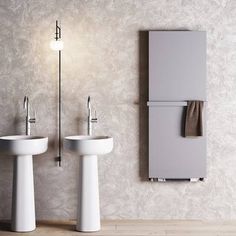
[(33, 120), (95, 114), (34, 114), (95, 119)]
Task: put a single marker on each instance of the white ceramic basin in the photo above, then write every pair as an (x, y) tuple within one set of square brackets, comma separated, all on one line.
[(89, 145), (23, 145)]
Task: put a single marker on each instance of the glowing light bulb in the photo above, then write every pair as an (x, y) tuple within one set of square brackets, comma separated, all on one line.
[(56, 45)]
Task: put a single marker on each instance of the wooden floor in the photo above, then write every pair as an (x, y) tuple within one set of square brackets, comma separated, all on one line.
[(133, 227)]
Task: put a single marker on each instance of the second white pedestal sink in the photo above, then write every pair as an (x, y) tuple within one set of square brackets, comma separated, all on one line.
[(88, 147), (23, 147)]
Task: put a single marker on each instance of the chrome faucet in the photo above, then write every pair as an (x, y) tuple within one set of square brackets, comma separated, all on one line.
[(28, 119), (90, 119)]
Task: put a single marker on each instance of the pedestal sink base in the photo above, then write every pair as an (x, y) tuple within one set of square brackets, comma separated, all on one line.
[(23, 147), (88, 147), (88, 205), (23, 207)]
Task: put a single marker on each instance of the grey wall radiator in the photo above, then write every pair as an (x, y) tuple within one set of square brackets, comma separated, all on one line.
[(177, 74)]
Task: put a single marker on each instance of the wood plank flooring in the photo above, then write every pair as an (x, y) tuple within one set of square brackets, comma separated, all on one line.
[(132, 227)]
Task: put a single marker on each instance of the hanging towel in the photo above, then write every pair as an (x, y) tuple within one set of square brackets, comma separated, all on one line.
[(193, 122)]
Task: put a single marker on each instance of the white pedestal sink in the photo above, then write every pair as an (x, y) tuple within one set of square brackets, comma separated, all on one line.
[(23, 207), (88, 147)]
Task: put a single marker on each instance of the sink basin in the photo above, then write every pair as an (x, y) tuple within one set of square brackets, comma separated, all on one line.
[(23, 206), (88, 147), (23, 145)]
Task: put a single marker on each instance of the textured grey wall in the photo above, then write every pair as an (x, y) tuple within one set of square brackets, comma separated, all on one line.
[(105, 56)]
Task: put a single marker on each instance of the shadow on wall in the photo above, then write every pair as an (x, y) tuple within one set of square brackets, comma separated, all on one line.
[(143, 109)]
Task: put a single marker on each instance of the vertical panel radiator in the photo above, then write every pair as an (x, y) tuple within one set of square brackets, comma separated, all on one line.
[(177, 74)]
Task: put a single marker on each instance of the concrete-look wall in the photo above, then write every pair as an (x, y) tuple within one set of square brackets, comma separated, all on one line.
[(105, 56)]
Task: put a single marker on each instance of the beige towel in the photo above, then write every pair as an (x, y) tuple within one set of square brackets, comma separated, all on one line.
[(193, 122)]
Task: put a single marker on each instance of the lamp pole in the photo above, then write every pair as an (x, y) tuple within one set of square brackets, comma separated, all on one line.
[(59, 109), (57, 45), (58, 36)]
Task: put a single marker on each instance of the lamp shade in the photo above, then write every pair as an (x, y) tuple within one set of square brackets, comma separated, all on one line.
[(56, 45)]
